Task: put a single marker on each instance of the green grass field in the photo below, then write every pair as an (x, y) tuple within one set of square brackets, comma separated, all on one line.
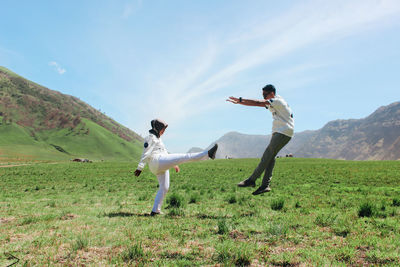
[(319, 212)]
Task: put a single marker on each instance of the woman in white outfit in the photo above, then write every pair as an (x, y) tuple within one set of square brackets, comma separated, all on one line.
[(156, 155)]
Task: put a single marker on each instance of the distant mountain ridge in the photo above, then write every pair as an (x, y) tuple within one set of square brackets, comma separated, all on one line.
[(376, 137), (49, 121)]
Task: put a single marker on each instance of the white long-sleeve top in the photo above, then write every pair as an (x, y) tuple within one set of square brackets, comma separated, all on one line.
[(152, 146)]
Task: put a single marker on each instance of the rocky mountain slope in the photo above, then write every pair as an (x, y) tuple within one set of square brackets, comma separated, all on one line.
[(376, 137)]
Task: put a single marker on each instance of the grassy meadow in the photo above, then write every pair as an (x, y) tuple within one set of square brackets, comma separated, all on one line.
[(319, 213)]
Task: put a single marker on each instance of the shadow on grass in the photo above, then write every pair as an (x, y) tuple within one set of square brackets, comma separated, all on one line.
[(207, 216), (125, 214), (129, 214)]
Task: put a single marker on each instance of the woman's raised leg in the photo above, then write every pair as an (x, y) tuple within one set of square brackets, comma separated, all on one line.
[(167, 161)]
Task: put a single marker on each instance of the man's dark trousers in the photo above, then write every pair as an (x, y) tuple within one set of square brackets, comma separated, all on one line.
[(267, 163)]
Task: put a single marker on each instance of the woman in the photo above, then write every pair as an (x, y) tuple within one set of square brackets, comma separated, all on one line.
[(156, 155)]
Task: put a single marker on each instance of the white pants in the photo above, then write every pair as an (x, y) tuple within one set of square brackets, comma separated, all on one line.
[(160, 165)]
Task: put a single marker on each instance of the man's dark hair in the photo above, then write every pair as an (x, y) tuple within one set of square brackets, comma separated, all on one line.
[(269, 88)]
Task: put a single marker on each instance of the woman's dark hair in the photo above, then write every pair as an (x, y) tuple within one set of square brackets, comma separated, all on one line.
[(156, 126), (269, 88)]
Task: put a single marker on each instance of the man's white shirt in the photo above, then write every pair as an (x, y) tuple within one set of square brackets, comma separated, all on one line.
[(283, 121)]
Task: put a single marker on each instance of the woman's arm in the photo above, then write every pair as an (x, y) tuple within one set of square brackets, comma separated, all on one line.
[(148, 148)]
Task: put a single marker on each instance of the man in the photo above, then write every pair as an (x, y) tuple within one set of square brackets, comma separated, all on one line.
[(282, 132)]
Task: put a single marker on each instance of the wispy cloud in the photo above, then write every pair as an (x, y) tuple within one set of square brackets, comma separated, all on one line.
[(8, 52), (130, 8), (57, 67), (167, 97), (323, 23), (181, 92), (303, 26)]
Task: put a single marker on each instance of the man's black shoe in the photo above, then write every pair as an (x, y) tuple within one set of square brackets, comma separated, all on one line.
[(213, 151), (261, 190), (247, 183), (154, 213)]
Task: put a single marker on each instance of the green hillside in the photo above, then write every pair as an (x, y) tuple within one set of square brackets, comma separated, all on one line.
[(37, 123), (91, 140)]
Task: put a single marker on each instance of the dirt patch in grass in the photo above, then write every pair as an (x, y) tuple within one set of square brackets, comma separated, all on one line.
[(361, 255), (282, 249), (64, 254), (7, 220), (237, 235), (361, 258), (14, 165), (21, 237), (195, 245), (89, 255), (68, 216), (93, 255)]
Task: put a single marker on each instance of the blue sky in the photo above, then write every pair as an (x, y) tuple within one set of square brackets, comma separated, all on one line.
[(179, 60)]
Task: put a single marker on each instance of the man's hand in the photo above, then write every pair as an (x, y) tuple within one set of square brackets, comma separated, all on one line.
[(248, 102), (233, 100), (177, 169), (137, 172)]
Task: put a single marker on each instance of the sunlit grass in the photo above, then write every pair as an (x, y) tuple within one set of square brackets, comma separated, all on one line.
[(319, 212)]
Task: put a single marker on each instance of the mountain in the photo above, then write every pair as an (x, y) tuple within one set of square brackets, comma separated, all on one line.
[(376, 137), (39, 123), (238, 145)]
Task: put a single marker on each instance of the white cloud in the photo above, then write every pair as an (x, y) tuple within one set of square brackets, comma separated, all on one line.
[(130, 8), (8, 52), (184, 93), (57, 67), (319, 21), (168, 97)]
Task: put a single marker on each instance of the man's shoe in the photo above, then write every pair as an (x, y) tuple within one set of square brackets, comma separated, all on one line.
[(155, 213), (213, 151), (247, 183), (261, 190)]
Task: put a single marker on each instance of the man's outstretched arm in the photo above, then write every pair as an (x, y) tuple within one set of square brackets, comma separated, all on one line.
[(248, 102)]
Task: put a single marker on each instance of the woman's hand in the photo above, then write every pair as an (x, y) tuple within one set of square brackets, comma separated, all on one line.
[(177, 169)]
